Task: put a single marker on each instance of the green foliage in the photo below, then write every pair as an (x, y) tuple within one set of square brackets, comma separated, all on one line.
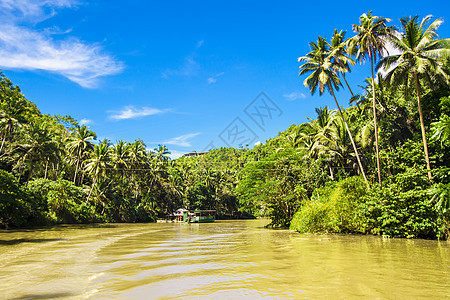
[(276, 185), (333, 208), (15, 207), (306, 177), (65, 201), (405, 208)]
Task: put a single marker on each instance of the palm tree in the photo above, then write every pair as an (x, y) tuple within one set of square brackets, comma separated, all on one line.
[(137, 156), (318, 63), (119, 156), (97, 165), (162, 153), (370, 40), (36, 147), (79, 142), (419, 58), (340, 57)]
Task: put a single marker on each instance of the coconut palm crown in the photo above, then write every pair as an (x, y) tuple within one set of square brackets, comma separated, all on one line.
[(370, 41), (422, 57), (318, 62)]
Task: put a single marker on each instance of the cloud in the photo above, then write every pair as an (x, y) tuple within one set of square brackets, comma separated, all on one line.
[(294, 96), (189, 67), (214, 78), (85, 122), (130, 112), (391, 50), (182, 140), (33, 10), (174, 154), (200, 43), (27, 48)]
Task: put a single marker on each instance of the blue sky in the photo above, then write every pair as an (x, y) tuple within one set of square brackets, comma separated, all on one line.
[(187, 74)]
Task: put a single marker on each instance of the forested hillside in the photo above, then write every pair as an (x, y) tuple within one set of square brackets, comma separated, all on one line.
[(381, 166)]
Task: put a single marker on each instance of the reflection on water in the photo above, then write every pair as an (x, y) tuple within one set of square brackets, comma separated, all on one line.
[(222, 260)]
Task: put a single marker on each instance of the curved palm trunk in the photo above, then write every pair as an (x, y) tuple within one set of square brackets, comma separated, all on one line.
[(375, 120), (351, 138), (351, 92), (3, 142), (76, 168), (422, 127), (90, 191)]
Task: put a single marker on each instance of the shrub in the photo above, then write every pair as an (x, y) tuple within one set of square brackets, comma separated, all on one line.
[(407, 207), (333, 208), (15, 206), (65, 201)]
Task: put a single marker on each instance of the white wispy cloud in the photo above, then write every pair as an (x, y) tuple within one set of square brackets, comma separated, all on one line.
[(182, 141), (390, 50), (174, 154), (131, 112), (85, 122), (213, 79), (200, 43), (294, 96), (189, 67), (28, 48), (33, 10)]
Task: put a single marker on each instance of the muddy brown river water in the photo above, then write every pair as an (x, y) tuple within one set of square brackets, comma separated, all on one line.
[(221, 260)]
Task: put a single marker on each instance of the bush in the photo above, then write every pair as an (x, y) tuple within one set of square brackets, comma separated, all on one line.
[(407, 207), (333, 208), (65, 201), (15, 206)]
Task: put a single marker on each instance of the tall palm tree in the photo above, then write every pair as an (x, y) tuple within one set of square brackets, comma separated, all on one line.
[(36, 147), (119, 156), (97, 165), (340, 56), (318, 63), (162, 153), (79, 142), (370, 41), (419, 58), (137, 156)]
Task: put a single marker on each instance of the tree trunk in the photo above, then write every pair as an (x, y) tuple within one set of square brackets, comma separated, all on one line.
[(3, 142), (90, 192), (345, 79), (76, 168), (351, 137), (375, 120), (46, 167), (331, 172), (422, 127)]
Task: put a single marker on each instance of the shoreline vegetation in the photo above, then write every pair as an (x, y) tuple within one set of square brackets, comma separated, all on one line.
[(380, 166)]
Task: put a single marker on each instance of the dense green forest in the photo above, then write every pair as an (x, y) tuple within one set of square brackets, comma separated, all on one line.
[(381, 166)]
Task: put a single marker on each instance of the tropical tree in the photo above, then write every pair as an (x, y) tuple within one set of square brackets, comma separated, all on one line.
[(119, 157), (340, 57), (35, 147), (99, 162), (319, 64), (370, 41), (79, 142), (420, 57)]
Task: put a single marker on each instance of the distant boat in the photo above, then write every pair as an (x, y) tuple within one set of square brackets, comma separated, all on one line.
[(183, 215), (202, 216)]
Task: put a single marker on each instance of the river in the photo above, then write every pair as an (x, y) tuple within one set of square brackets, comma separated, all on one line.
[(221, 260)]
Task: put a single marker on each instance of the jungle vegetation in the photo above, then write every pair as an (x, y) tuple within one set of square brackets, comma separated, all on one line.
[(381, 166)]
